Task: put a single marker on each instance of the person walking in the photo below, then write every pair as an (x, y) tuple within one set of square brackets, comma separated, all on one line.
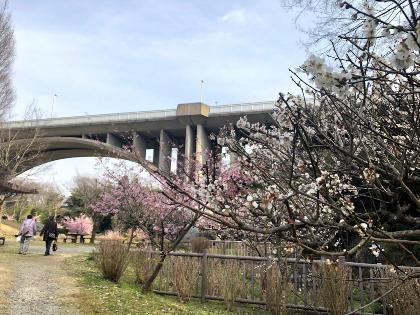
[(26, 231), (50, 233)]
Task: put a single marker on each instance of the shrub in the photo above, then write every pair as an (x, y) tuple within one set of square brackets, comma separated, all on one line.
[(231, 282), (184, 273), (334, 286), (214, 277), (111, 236), (111, 257), (404, 299), (277, 287), (200, 244), (225, 279), (143, 262)]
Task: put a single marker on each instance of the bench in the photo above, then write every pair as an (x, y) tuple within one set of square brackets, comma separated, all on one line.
[(83, 238), (3, 239), (136, 243), (72, 238)]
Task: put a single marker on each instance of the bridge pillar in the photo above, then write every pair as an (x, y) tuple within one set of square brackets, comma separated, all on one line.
[(202, 144), (155, 147), (139, 144), (113, 140), (189, 142), (165, 151), (181, 162)]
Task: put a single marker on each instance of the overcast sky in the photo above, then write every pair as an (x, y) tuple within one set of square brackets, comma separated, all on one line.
[(103, 56)]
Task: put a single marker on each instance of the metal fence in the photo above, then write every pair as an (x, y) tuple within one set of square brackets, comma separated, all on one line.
[(303, 278)]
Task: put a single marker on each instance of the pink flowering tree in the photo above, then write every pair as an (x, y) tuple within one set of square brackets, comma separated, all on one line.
[(82, 225), (139, 207)]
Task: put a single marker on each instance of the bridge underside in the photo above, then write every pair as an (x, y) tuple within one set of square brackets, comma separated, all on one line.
[(44, 150)]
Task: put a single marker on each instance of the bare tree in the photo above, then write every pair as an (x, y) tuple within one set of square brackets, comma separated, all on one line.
[(88, 190), (7, 54), (13, 154)]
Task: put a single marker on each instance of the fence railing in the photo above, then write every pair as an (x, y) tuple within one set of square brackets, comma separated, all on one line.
[(235, 248), (242, 108), (303, 278)]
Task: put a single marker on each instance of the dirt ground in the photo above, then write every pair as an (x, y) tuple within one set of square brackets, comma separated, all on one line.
[(38, 284)]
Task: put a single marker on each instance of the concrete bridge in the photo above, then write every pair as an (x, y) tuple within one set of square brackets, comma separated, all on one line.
[(187, 128)]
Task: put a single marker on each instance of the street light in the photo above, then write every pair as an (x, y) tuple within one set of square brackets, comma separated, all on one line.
[(201, 91), (52, 105)]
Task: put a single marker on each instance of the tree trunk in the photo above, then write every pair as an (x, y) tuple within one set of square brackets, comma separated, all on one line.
[(2, 199), (131, 238), (148, 284), (1, 214), (92, 239), (95, 226)]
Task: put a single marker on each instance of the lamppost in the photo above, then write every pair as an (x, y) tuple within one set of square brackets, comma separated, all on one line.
[(52, 105), (201, 91)]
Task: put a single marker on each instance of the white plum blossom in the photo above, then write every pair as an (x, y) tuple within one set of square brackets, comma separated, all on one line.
[(324, 76), (386, 32), (369, 27), (402, 56), (375, 249), (369, 173)]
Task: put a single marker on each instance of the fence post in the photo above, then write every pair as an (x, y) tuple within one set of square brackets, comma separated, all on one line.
[(204, 274)]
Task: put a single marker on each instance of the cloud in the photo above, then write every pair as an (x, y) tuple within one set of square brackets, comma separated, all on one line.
[(241, 17), (237, 16)]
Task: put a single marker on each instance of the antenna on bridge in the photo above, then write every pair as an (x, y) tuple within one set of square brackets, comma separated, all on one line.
[(201, 91)]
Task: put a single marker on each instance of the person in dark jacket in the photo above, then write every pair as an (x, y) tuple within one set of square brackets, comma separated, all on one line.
[(50, 233)]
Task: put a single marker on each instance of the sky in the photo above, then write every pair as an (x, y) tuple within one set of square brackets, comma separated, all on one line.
[(105, 56)]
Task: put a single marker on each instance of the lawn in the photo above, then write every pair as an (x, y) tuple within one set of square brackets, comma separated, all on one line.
[(100, 296), (8, 228), (6, 270)]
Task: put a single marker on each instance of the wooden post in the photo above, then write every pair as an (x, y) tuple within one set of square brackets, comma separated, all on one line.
[(204, 275)]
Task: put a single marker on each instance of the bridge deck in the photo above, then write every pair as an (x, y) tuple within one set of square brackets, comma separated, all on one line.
[(155, 115)]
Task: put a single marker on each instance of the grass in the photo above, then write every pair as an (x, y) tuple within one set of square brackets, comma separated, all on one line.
[(9, 229), (100, 296), (6, 272)]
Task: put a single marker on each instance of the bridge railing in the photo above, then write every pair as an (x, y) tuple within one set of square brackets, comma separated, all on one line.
[(242, 108), (102, 118)]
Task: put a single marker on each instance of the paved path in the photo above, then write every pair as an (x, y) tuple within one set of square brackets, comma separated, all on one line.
[(41, 285)]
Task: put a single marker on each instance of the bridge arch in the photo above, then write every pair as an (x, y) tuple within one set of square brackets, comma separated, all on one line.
[(48, 149)]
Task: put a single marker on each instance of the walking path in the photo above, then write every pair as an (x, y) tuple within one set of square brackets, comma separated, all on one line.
[(39, 284)]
